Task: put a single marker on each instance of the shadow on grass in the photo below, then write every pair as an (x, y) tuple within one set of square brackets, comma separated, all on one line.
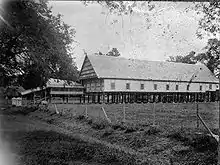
[(20, 110), (201, 144), (42, 147)]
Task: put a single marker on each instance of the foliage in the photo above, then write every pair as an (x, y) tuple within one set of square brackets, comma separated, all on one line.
[(210, 58), (13, 91), (208, 25), (37, 45), (99, 124), (210, 21), (113, 52), (125, 7), (189, 59)]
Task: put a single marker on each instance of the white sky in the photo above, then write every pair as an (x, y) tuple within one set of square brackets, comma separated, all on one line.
[(172, 32)]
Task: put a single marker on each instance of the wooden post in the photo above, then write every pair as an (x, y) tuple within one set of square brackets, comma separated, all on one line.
[(197, 113), (106, 115), (154, 115), (98, 98), (56, 109), (84, 98), (112, 95), (213, 135), (86, 111), (124, 112), (107, 97)]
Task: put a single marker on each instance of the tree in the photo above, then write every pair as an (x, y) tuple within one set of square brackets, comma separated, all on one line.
[(209, 26), (114, 52), (210, 58), (37, 45), (189, 59)]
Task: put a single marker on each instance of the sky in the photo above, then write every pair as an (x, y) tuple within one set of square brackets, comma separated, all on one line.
[(171, 30)]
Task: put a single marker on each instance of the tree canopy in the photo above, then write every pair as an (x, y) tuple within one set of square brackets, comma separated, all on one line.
[(208, 26), (210, 57), (36, 45), (113, 52)]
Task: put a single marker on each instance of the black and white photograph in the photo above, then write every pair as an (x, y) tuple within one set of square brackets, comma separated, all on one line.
[(109, 82)]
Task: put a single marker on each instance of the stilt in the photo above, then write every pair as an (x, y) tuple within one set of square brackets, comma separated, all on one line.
[(98, 98), (107, 97), (116, 100), (84, 99)]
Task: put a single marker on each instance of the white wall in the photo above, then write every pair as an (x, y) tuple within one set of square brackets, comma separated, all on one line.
[(120, 85)]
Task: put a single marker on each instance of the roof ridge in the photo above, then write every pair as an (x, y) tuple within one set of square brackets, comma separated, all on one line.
[(145, 60)]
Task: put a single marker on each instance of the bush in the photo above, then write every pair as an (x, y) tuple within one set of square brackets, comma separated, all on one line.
[(24, 110), (118, 126), (179, 135), (99, 124), (108, 132), (130, 129), (204, 143), (152, 130), (80, 117), (89, 121)]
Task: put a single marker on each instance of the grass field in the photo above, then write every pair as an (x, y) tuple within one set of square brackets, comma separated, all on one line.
[(164, 144), (163, 114), (121, 142)]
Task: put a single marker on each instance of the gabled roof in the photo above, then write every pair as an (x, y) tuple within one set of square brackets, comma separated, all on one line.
[(119, 67)]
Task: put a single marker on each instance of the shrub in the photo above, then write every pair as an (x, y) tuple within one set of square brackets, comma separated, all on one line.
[(80, 117), (108, 132), (152, 130), (99, 124), (130, 129), (179, 135), (117, 126), (204, 143)]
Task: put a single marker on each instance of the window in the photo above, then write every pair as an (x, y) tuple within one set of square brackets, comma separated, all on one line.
[(187, 88), (112, 85), (142, 86), (155, 86), (210, 86), (177, 87), (167, 87), (127, 85), (217, 86), (200, 87)]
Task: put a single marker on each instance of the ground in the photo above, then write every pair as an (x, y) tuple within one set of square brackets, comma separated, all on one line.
[(25, 140), (40, 136)]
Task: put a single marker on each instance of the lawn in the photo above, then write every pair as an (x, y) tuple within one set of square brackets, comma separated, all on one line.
[(163, 114), (124, 143)]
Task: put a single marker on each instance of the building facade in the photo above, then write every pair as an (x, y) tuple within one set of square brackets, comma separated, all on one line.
[(116, 80), (56, 88)]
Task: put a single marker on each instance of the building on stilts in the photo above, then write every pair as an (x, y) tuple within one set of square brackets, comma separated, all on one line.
[(109, 79)]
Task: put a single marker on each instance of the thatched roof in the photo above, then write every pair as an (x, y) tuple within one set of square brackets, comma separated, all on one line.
[(119, 67)]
